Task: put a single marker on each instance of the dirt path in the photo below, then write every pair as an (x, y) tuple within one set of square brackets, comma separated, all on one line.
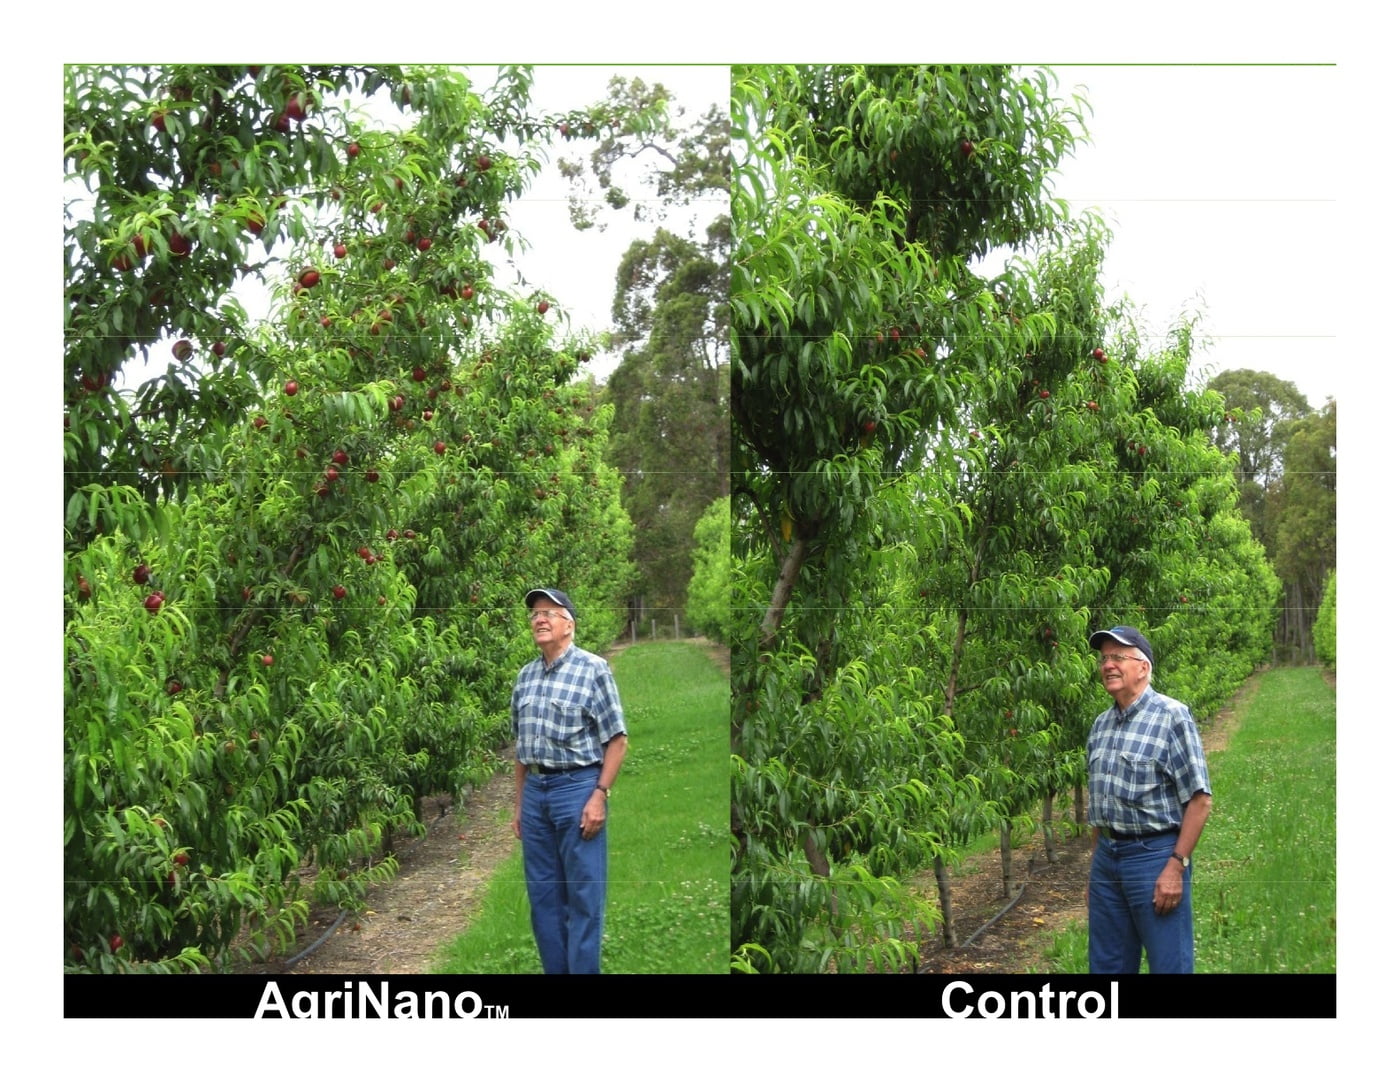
[(441, 880)]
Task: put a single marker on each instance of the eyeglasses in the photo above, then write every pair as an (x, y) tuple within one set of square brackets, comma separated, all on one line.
[(1120, 658), (549, 614)]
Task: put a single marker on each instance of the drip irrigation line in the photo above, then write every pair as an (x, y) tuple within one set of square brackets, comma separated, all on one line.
[(291, 962)]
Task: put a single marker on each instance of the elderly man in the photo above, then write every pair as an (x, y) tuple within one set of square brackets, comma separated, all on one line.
[(1149, 796), (569, 743)]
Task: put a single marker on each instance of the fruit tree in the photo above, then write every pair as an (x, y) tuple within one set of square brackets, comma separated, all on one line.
[(297, 543)]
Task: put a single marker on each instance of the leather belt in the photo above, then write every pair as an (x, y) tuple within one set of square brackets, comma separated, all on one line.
[(1117, 837), (537, 768)]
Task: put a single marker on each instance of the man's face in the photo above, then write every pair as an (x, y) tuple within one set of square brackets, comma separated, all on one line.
[(1123, 671), (550, 624)]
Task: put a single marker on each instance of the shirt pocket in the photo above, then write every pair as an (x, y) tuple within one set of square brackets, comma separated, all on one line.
[(566, 722), (1137, 779)]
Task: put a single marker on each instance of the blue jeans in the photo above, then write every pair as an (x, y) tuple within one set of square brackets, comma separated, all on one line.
[(1121, 918), (565, 876)]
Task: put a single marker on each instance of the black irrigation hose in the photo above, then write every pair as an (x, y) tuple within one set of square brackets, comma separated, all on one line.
[(291, 962), (1004, 910), (1030, 871)]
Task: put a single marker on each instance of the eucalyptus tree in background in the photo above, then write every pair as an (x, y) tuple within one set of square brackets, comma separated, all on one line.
[(670, 392), (1286, 467), (1304, 509), (1261, 410)]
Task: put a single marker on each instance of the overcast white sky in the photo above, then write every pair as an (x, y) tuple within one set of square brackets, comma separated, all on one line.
[(1221, 186)]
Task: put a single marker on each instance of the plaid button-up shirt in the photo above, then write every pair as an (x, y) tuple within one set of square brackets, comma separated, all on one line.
[(562, 714), (1145, 764)]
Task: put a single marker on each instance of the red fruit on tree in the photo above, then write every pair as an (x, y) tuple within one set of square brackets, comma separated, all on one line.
[(371, 475), (338, 592), (259, 422), (309, 277), (182, 349), (440, 448), (153, 602), (290, 387), (424, 244), (353, 150), (179, 244), (267, 661), (396, 403), (219, 349), (1044, 394), (419, 374), (483, 163), (115, 942), (141, 575), (966, 146), (1100, 355), (427, 415), (332, 474), (340, 251), (181, 859), (339, 457), (542, 307)]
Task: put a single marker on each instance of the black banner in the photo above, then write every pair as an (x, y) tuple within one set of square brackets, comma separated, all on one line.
[(497, 998)]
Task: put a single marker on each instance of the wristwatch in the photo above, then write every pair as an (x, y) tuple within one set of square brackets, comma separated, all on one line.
[(602, 790), (1185, 861)]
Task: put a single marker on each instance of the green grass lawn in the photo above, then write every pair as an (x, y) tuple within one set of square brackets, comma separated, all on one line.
[(668, 829), (1264, 886)]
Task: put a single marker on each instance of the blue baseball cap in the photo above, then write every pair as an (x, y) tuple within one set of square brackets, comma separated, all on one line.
[(1128, 636), (559, 597)]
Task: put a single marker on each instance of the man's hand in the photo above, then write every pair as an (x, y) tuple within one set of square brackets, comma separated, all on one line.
[(515, 821), (1166, 895), (595, 814)]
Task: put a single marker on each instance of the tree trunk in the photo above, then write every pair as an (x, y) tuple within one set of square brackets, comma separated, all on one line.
[(1005, 859), (945, 902), (782, 593), (1047, 826), (1079, 803), (818, 862)]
